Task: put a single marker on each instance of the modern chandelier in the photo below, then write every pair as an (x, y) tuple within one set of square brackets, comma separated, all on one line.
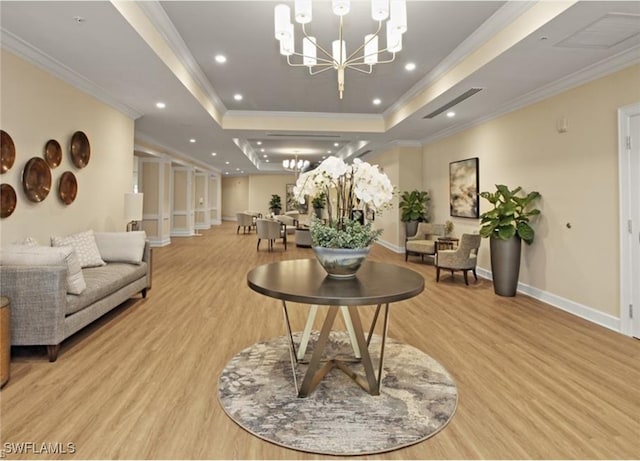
[(362, 59), (295, 164)]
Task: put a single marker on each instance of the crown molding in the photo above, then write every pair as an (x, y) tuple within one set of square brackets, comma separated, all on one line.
[(143, 143), (496, 22), (161, 21), (39, 58), (592, 72)]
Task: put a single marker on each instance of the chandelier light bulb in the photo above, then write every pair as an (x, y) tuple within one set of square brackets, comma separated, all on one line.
[(379, 10), (282, 21), (309, 51), (340, 7), (302, 10), (339, 52), (370, 49), (399, 15), (394, 38)]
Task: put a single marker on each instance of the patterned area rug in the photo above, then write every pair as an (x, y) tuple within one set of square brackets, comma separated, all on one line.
[(418, 398)]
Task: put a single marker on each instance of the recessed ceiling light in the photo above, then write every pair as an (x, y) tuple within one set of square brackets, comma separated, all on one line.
[(267, 160), (161, 105), (220, 58), (237, 169), (242, 172), (226, 172), (328, 152), (377, 101), (323, 157), (410, 66), (336, 144), (451, 114), (213, 154), (262, 150), (226, 163), (237, 97), (259, 143), (192, 140), (265, 156)]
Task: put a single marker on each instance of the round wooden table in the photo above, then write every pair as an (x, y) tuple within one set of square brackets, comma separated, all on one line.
[(305, 281)]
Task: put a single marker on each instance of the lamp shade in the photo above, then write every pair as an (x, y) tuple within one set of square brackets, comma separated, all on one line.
[(133, 206)]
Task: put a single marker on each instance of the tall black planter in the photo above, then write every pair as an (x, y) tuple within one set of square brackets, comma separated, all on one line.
[(411, 227), (505, 264)]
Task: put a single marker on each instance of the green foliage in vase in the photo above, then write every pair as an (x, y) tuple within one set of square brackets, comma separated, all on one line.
[(509, 215), (349, 234)]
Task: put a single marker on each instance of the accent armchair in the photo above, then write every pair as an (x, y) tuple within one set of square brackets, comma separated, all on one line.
[(463, 258), (245, 220), (270, 230), (424, 242)]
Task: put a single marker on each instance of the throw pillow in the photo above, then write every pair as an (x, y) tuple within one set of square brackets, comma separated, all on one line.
[(27, 255), (85, 245), (121, 247)]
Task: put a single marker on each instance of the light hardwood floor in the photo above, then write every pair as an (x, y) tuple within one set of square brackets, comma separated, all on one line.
[(533, 381)]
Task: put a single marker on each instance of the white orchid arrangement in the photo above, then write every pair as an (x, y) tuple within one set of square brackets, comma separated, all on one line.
[(347, 188)]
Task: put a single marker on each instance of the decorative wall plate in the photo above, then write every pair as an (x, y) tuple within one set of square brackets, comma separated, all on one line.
[(8, 155), (67, 188), (53, 153), (80, 149), (36, 179), (8, 200)]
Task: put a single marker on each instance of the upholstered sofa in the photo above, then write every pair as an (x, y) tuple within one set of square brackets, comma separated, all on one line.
[(53, 296)]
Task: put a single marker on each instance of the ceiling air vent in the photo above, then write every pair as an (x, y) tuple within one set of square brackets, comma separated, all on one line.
[(467, 94), (604, 33)]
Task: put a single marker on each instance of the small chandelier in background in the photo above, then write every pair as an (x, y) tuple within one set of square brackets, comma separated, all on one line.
[(362, 59), (295, 164)]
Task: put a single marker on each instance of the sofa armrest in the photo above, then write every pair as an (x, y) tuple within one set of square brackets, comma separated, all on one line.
[(147, 257), (38, 297)]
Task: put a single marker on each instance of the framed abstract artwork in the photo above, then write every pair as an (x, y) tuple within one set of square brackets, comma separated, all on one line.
[(463, 188)]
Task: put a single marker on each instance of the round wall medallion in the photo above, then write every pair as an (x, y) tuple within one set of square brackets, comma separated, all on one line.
[(53, 153), (8, 155), (80, 149), (36, 179), (67, 188), (8, 200)]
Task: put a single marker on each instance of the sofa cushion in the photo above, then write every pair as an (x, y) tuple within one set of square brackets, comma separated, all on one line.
[(121, 247), (103, 281), (33, 255), (85, 245)]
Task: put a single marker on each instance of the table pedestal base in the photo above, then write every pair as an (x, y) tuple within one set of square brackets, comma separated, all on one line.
[(317, 370)]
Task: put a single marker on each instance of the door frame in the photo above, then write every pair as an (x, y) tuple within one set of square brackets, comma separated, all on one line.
[(626, 214)]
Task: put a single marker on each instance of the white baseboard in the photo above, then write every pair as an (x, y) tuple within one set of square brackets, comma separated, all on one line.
[(572, 307), (155, 243), (390, 246)]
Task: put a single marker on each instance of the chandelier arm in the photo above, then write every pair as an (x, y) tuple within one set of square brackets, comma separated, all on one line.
[(364, 71), (326, 53), (375, 34), (362, 63), (325, 62), (326, 68)]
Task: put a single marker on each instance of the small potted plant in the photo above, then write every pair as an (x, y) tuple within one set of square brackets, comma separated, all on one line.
[(318, 204), (507, 224), (275, 204), (448, 228), (413, 205)]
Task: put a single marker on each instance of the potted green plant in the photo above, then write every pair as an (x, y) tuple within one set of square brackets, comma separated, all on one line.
[(275, 204), (413, 206), (506, 225), (318, 204)]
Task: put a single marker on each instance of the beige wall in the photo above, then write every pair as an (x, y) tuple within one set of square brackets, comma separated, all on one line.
[(403, 166), (576, 173), (36, 107), (252, 193)]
